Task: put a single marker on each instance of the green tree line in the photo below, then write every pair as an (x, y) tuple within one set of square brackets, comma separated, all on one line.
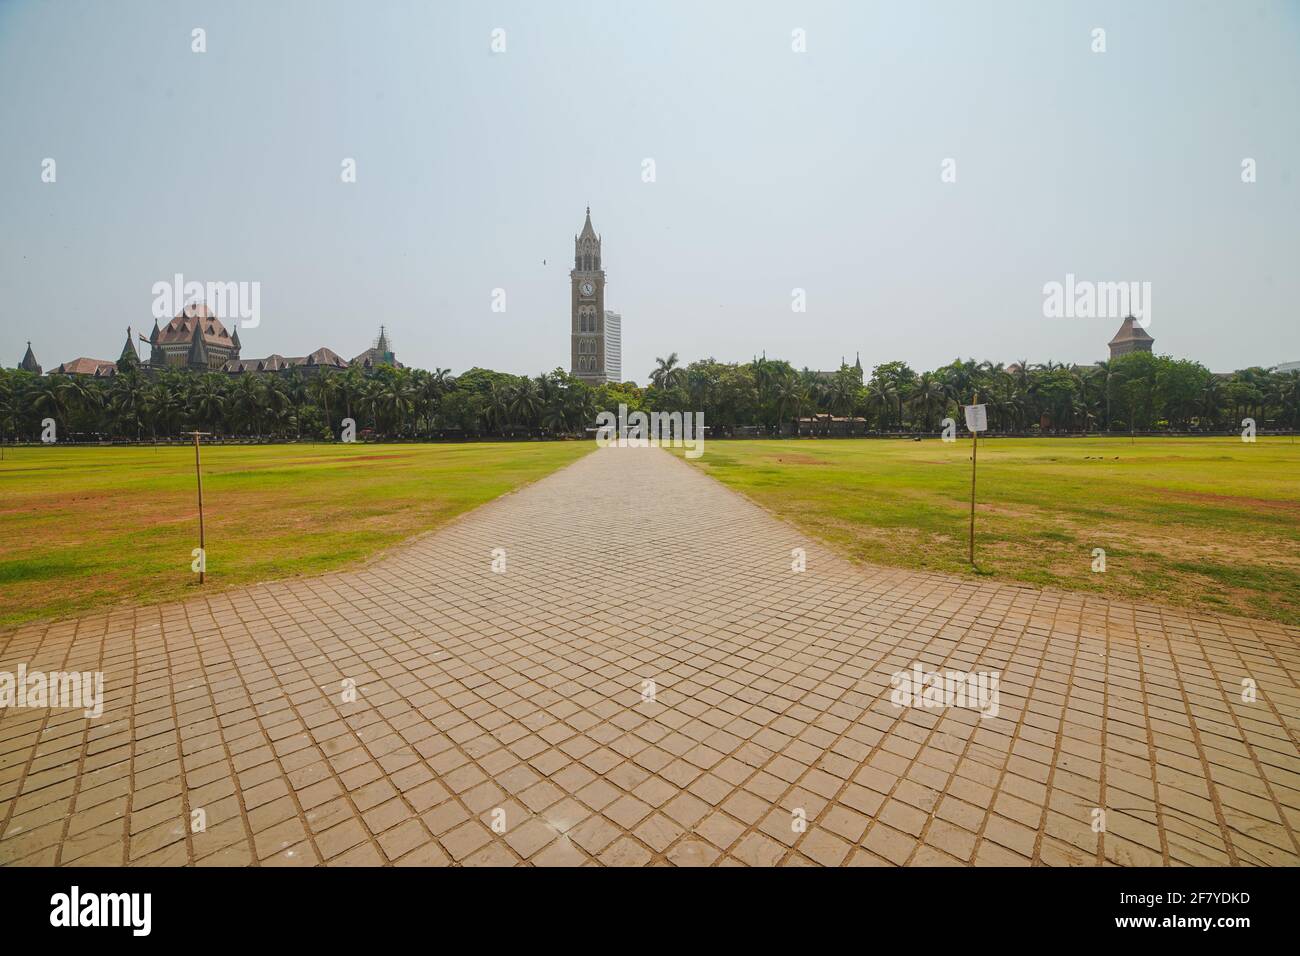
[(1135, 392)]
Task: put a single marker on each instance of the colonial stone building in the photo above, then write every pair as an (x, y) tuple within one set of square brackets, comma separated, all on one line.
[(91, 367), (830, 376), (1131, 337), (381, 353), (322, 360), (590, 346), (195, 340)]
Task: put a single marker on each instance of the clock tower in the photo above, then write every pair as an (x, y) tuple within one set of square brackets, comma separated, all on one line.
[(587, 291)]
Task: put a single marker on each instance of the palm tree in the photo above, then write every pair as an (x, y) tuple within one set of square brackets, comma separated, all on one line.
[(247, 404), (320, 389), (1288, 393), (928, 394), (791, 398), (47, 400), (881, 398), (127, 403), (525, 403), (667, 374), (498, 406), (207, 402), (391, 401), (1108, 376), (843, 394)]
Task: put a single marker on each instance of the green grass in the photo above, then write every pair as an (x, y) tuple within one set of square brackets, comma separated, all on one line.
[(82, 528), (1209, 523)]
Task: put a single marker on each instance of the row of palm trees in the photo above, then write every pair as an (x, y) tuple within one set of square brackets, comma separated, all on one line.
[(384, 402), (1139, 391), (1133, 392)]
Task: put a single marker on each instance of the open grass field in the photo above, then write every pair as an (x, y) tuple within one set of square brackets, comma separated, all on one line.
[(1210, 523), (93, 527)]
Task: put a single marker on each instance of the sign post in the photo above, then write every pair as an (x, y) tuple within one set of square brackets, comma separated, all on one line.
[(977, 421), (198, 474)]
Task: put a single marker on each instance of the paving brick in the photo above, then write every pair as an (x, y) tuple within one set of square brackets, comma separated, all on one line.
[(524, 691)]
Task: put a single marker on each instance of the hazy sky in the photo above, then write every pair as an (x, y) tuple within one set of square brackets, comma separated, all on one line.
[(775, 170)]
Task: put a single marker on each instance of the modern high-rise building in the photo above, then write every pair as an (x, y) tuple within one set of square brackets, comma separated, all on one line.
[(613, 346)]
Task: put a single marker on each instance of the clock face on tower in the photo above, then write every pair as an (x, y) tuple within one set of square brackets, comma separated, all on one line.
[(587, 288)]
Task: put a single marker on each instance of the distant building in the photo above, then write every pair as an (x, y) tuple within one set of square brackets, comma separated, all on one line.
[(613, 346), (194, 340), (322, 360), (381, 353), (1284, 367), (588, 326), (96, 368), (29, 363), (1131, 337), (829, 376)]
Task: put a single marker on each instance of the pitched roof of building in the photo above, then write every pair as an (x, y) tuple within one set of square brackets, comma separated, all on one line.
[(372, 357), (322, 357), (198, 351), (29, 363), (196, 315), (272, 363), (129, 353), (325, 356), (87, 366), (1130, 331)]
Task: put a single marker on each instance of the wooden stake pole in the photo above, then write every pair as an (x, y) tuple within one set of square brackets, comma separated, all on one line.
[(198, 474), (974, 453)]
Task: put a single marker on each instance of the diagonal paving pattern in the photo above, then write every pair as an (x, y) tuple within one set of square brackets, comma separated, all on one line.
[(518, 699)]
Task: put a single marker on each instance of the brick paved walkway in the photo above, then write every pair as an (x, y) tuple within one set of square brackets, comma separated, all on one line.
[(522, 692)]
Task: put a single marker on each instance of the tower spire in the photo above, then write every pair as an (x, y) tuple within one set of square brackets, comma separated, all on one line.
[(198, 357), (129, 357), (29, 363)]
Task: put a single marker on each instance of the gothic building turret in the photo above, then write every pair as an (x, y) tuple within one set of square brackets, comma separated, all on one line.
[(128, 358), (1131, 337), (29, 363)]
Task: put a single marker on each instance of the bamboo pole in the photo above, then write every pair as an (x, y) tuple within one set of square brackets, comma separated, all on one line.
[(974, 453), (198, 475)]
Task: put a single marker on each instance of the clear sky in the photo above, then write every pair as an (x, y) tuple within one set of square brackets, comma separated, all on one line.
[(774, 170)]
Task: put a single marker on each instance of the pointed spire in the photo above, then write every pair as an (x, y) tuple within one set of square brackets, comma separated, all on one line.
[(129, 355), (382, 344), (587, 231), (153, 336), (234, 338), (857, 361), (29, 363), (198, 357)]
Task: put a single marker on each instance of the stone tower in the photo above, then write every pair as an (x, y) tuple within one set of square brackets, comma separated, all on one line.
[(587, 289), (1131, 337)]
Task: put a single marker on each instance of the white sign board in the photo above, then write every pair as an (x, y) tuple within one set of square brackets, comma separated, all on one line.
[(977, 419)]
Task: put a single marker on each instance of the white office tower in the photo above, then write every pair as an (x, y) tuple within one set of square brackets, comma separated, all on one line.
[(613, 347)]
